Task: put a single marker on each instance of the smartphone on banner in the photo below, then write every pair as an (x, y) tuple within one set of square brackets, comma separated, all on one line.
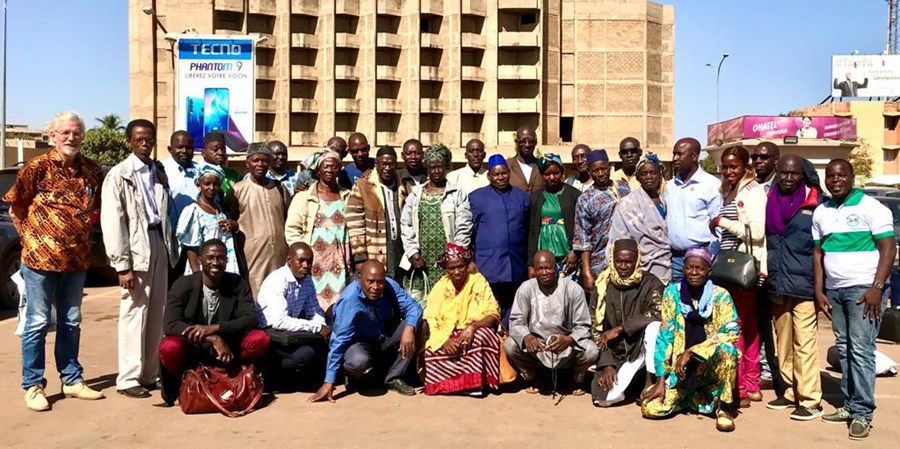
[(195, 120), (215, 110)]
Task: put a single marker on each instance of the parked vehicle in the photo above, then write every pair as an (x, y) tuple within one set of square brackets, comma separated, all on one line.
[(880, 191), (11, 248)]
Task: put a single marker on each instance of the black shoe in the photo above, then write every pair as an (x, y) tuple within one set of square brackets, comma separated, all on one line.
[(806, 414), (401, 387), (137, 392), (780, 404), (154, 386)]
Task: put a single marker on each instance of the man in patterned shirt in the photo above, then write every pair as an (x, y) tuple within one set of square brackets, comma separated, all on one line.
[(593, 216), (291, 315), (50, 205)]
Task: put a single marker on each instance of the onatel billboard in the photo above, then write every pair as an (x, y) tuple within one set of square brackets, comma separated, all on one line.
[(215, 88), (777, 127), (865, 75)]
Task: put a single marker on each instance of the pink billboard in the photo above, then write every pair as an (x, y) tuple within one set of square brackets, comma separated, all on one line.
[(774, 127)]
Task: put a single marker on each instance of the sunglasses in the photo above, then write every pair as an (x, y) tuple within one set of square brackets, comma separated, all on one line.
[(763, 157), (630, 151)]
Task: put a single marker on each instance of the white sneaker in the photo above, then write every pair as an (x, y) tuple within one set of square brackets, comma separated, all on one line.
[(81, 391), (35, 399)]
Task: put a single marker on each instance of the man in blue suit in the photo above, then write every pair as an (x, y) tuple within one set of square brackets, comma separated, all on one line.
[(500, 216)]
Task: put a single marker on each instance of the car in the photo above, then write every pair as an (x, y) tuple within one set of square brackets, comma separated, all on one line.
[(11, 248), (892, 203), (880, 191)]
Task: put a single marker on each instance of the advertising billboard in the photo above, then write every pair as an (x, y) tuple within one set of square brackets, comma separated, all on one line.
[(865, 75), (215, 88), (777, 127)]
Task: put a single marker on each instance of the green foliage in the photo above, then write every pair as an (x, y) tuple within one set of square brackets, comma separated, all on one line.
[(861, 159), (111, 122), (105, 146), (708, 164)]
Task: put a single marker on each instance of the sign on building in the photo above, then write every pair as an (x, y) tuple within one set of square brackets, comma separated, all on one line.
[(865, 75), (215, 88), (776, 127)]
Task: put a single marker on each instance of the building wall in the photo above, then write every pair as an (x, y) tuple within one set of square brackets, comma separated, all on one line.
[(439, 70), (876, 127)]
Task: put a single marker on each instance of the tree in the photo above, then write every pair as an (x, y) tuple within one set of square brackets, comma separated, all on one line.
[(105, 146), (112, 122), (861, 159), (708, 164)]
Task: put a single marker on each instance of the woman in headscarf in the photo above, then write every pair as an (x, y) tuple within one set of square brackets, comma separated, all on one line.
[(317, 217), (695, 355), (205, 220), (626, 324), (642, 216), (435, 213), (462, 353), (552, 216), (742, 220)]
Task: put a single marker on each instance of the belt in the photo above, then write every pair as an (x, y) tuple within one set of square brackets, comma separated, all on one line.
[(155, 227)]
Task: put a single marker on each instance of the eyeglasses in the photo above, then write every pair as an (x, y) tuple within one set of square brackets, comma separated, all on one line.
[(630, 151), (149, 140), (764, 157)]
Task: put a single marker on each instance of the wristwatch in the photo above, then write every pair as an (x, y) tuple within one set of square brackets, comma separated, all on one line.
[(879, 285)]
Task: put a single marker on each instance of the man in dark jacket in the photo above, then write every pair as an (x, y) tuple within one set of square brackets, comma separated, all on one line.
[(210, 317), (627, 324), (789, 242)]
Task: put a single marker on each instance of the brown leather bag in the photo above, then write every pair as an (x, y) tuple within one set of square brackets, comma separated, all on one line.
[(233, 391)]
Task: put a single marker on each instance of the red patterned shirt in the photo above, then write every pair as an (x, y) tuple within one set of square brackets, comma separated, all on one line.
[(52, 210)]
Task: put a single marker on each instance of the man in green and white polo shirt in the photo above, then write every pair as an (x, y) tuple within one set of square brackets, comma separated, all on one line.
[(855, 247)]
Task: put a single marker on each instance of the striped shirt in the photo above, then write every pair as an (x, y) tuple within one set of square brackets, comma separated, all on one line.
[(847, 234), (729, 241)]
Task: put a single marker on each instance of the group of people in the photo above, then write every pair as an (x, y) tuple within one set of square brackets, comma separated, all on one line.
[(367, 272)]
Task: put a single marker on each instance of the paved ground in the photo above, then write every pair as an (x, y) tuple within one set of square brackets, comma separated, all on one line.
[(511, 420)]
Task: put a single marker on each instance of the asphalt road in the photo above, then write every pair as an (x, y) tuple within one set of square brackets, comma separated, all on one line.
[(509, 420)]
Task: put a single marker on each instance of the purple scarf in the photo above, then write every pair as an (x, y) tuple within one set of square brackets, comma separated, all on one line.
[(781, 208)]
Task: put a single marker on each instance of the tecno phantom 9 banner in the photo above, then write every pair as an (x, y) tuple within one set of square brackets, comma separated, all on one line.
[(215, 88)]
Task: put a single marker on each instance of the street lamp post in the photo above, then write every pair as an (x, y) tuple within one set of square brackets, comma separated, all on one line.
[(718, 72), (3, 95)]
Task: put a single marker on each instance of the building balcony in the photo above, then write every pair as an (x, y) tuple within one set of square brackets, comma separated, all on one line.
[(224, 31), (518, 39), (266, 7), (473, 40), (229, 5), (518, 4), (390, 7), (387, 72), (388, 40), (432, 106), (303, 40), (466, 137), (303, 72), (431, 73), (305, 138), (308, 7), (431, 40), (518, 72), (346, 105), (429, 138), (506, 138), (304, 105), (266, 72), (435, 7), (518, 105), (265, 106), (269, 42), (346, 72), (472, 73), (387, 138), (346, 40), (388, 106), (348, 7), (472, 106), (474, 7)]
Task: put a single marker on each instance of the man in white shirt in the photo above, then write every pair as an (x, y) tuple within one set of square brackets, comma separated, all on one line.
[(291, 315), (474, 175)]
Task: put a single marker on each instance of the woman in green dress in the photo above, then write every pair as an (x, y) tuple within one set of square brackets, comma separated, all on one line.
[(552, 220), (435, 213)]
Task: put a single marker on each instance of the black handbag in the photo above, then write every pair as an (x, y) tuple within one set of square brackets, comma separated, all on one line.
[(732, 268)]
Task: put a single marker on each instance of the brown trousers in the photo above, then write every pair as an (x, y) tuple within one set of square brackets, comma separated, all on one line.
[(796, 327)]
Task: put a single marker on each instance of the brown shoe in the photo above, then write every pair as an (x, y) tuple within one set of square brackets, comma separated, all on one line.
[(755, 396), (745, 402), (724, 421)]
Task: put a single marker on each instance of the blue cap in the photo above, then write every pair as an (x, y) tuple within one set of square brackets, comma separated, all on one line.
[(597, 155), (496, 160)]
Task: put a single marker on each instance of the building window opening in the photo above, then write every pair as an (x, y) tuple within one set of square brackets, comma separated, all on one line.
[(565, 128)]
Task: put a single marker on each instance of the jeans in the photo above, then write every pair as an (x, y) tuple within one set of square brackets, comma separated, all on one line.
[(42, 287), (677, 269), (855, 340)]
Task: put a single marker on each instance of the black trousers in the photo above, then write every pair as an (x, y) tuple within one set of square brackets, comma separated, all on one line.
[(378, 357), (505, 294), (767, 339)]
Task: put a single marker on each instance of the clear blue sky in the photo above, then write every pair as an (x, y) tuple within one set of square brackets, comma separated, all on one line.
[(66, 54)]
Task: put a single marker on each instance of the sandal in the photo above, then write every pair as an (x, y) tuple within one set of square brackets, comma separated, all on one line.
[(531, 389), (724, 421)]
